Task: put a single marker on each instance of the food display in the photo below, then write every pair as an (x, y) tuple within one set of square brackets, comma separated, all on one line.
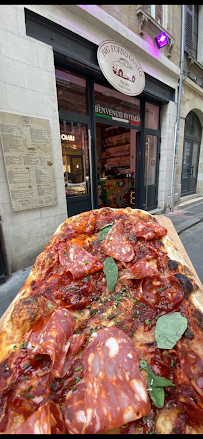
[(106, 334)]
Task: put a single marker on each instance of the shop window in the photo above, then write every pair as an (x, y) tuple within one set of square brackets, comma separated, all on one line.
[(71, 92), (156, 11), (191, 29), (151, 116), (111, 104)]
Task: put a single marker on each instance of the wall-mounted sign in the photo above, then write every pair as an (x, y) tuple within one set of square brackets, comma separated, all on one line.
[(27, 150), (121, 116), (121, 68)]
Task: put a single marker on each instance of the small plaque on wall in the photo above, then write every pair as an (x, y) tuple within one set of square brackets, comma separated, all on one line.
[(27, 151)]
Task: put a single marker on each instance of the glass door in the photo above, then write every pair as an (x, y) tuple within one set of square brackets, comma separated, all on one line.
[(150, 180), (190, 167)]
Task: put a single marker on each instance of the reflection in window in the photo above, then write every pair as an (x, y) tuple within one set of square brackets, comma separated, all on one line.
[(150, 159), (112, 104), (151, 116), (71, 92), (75, 158), (195, 152), (186, 160)]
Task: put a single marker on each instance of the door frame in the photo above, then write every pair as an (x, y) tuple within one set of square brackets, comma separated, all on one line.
[(192, 139)]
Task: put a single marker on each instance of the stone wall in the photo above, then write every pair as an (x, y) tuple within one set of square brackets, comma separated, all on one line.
[(27, 87), (126, 14)]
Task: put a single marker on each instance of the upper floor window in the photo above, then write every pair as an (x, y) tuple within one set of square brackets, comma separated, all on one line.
[(191, 29), (156, 11)]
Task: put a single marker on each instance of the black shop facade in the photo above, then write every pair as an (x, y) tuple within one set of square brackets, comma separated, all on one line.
[(110, 139)]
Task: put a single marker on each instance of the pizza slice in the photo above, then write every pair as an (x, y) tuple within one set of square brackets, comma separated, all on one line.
[(106, 333)]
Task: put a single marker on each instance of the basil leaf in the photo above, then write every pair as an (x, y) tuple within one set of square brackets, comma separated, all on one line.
[(169, 329), (156, 385), (111, 272), (157, 395), (105, 230), (154, 380)]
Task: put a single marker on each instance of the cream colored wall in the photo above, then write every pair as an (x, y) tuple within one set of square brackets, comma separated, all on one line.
[(27, 86)]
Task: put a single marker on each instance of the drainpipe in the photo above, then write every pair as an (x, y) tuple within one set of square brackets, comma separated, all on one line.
[(176, 135)]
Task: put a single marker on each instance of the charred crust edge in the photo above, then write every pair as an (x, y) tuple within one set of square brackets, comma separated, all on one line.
[(172, 265), (185, 283), (197, 316), (30, 305)]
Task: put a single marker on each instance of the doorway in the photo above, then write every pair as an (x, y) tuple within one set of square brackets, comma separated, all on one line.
[(191, 148)]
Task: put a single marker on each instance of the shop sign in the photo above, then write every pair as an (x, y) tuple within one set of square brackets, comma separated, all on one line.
[(121, 68), (68, 137), (121, 116)]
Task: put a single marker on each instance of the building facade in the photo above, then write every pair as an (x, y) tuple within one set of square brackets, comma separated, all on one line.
[(105, 148)]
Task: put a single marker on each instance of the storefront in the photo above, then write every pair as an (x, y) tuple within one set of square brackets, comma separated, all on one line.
[(110, 142)]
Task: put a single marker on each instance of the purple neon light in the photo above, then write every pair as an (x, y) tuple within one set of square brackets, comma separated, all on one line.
[(161, 40)]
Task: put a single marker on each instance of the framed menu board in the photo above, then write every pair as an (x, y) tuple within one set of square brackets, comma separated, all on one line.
[(27, 151)]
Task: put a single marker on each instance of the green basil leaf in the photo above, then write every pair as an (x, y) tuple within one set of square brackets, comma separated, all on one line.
[(156, 385), (169, 329), (111, 272), (105, 230), (154, 380), (157, 395)]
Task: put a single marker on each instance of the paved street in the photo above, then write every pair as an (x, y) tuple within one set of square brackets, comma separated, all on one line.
[(188, 224), (192, 239)]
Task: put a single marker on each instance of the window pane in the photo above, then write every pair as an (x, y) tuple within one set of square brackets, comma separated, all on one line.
[(150, 159), (189, 124), (111, 104), (159, 13), (71, 92), (194, 159), (151, 116), (197, 131), (75, 158), (186, 160)]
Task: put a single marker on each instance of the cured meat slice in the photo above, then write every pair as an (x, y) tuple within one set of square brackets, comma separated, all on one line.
[(190, 383), (106, 216), (78, 261), (85, 223), (162, 292), (116, 243), (148, 230), (46, 420), (115, 391), (139, 270), (53, 337), (74, 412)]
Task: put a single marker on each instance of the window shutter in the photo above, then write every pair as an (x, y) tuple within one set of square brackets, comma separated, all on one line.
[(189, 12)]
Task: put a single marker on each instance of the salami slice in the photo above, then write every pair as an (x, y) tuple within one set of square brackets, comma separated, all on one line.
[(139, 270), (53, 338), (148, 230), (78, 261), (190, 383), (162, 292), (85, 223), (117, 244), (46, 420), (115, 392)]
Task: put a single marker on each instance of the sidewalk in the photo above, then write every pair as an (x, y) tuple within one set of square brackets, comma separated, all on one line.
[(182, 220), (186, 218)]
